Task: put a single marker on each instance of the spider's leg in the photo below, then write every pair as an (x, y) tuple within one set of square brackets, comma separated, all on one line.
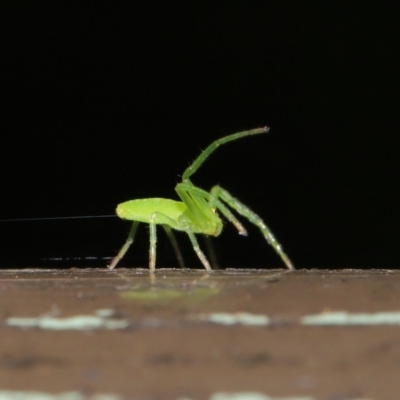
[(125, 247), (196, 164), (197, 249), (175, 245), (243, 210), (161, 219), (153, 243), (211, 253)]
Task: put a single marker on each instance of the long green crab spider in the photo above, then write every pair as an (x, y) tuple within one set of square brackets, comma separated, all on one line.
[(195, 214)]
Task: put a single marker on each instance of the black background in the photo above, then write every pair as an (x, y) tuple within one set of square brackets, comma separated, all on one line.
[(103, 104)]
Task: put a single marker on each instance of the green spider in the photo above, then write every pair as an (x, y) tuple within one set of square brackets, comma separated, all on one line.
[(196, 213)]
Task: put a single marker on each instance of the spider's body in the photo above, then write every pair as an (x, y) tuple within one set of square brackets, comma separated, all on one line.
[(195, 214)]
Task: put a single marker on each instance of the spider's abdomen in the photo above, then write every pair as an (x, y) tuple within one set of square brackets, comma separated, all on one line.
[(143, 210)]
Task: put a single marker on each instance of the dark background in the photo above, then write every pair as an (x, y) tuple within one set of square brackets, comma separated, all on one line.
[(103, 104)]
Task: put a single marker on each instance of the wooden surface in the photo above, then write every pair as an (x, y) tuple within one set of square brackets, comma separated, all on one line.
[(194, 335)]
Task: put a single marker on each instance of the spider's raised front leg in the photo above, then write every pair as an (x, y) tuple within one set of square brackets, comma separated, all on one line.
[(219, 193)]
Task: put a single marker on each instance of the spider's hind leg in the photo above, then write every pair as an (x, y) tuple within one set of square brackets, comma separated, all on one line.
[(125, 247)]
